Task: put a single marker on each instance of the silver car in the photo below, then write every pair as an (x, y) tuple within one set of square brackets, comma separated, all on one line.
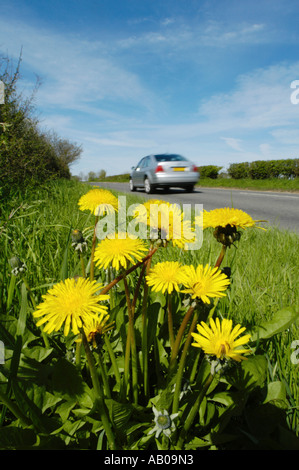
[(164, 171)]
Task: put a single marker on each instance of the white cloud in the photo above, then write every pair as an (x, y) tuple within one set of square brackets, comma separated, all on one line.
[(233, 143), (259, 100), (121, 139), (266, 150), (215, 33), (74, 71), (193, 41), (287, 136)]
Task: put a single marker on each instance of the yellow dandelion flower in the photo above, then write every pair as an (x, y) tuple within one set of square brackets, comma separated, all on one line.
[(72, 302), (228, 216), (143, 212), (226, 222), (98, 202), (181, 231), (165, 276), (166, 222), (95, 328), (220, 339), (118, 250), (204, 282)]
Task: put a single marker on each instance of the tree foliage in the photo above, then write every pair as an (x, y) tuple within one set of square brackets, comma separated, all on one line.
[(28, 156), (66, 151)]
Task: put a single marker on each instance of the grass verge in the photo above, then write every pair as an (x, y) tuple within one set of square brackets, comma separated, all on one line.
[(274, 184)]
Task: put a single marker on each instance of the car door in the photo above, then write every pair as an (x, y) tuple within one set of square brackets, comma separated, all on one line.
[(137, 180), (144, 168)]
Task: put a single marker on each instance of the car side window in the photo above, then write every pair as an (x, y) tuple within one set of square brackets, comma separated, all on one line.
[(145, 162), (139, 165)]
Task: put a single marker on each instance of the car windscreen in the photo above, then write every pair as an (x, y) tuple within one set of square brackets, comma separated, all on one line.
[(170, 158)]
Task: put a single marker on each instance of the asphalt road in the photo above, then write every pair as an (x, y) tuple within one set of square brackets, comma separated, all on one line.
[(280, 209)]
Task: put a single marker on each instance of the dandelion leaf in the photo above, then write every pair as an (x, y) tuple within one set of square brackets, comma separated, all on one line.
[(280, 321)]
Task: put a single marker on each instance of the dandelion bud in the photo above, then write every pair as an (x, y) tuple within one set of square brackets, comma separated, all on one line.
[(15, 262), (227, 271), (227, 235), (77, 236), (18, 267), (78, 241)]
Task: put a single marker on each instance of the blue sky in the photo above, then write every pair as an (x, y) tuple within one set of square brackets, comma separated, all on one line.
[(125, 78)]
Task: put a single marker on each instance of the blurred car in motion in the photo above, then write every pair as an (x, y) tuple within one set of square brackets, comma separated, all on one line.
[(164, 171)]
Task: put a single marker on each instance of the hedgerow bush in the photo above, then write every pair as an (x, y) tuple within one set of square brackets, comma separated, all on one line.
[(209, 171), (263, 169), (238, 170), (28, 156)]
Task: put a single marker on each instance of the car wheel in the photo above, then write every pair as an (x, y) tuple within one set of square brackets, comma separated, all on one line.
[(190, 188), (148, 187), (132, 187)]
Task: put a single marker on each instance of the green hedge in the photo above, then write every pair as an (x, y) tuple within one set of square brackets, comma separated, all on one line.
[(209, 171), (263, 169)]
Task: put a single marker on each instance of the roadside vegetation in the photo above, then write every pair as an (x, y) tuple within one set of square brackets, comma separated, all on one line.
[(269, 184), (29, 156), (49, 400)]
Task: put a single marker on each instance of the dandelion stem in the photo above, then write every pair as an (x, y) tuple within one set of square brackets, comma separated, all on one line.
[(82, 266), (179, 336), (45, 337), (221, 256), (181, 367), (170, 321), (104, 376), (93, 246), (137, 289), (131, 339), (193, 412), (15, 410), (127, 363), (128, 271), (99, 397), (112, 358), (194, 369), (144, 345), (111, 296), (78, 355)]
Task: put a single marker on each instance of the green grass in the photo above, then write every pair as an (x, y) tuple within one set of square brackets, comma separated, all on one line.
[(264, 267), (118, 178), (274, 184)]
